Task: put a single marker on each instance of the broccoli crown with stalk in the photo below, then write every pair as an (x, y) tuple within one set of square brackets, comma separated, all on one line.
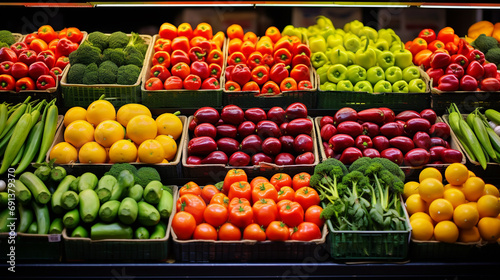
[(118, 39), (99, 40), (360, 163), (7, 37), (392, 167), (395, 184), (86, 54)]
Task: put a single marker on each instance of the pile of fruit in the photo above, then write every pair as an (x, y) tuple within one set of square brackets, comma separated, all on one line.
[(100, 134), (279, 209), (241, 138), (486, 38), (37, 62), (186, 59), (464, 210), (268, 65), (408, 138)]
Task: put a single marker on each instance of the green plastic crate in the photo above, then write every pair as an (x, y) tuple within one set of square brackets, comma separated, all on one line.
[(249, 100), (336, 100), (465, 100)]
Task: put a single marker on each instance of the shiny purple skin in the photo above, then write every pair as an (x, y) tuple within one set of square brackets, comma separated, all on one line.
[(407, 115), (215, 157), (305, 158), (246, 128), (371, 153), (206, 115), (345, 114), (303, 143), (393, 154), (436, 153), (195, 160), (417, 157), (268, 129), (437, 141), (417, 124), (451, 156), (429, 115), (381, 143), (260, 157), (327, 131), (287, 143), (350, 155), (422, 140), (328, 150), (370, 129), (201, 146), (391, 130), (296, 110), (284, 159), (251, 144), (350, 128), (299, 126), (339, 142), (255, 115), (227, 130), (228, 145), (403, 143), (271, 146), (283, 127), (325, 120), (192, 125), (239, 159), (441, 130), (277, 115), (388, 114), (205, 129), (232, 114)]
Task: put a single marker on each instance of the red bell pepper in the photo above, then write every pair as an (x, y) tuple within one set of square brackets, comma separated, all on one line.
[(25, 83), (197, 54), (301, 59), (468, 83), (153, 83), (268, 60), (236, 58), (215, 70), (490, 84), (282, 56), (284, 43), (446, 35), (210, 83), (179, 56), (45, 82), (247, 48), (30, 37), (232, 86), (7, 82), (301, 49), (53, 45), (418, 45), (204, 45), (215, 56), (47, 57), (227, 72), (456, 70), (476, 55), (200, 69), (6, 67), (192, 82), (288, 84), (251, 86), (6, 54), (300, 72), (163, 44), (260, 74), (65, 47), (305, 85), (451, 48), (270, 87), (74, 35), (460, 59), (161, 58), (428, 35), (56, 73), (490, 70), (255, 59), (448, 82), (173, 82), (464, 48), (19, 47), (440, 60), (159, 71), (185, 29), (204, 30), (168, 31), (62, 61), (435, 75), (38, 69), (436, 45), (279, 72), (46, 33), (19, 70), (181, 70), (241, 74), (423, 58), (28, 57), (180, 43), (62, 33), (475, 69)]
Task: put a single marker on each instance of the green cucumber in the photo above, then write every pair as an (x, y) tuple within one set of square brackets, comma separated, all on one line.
[(166, 204), (36, 186), (152, 192), (71, 219), (56, 196), (33, 229), (87, 181), (23, 194), (42, 217), (105, 187), (127, 213), (159, 231), (148, 214), (109, 211), (136, 192), (111, 231), (89, 205), (26, 217), (493, 115), (141, 233), (69, 200), (80, 231), (74, 185), (56, 227), (125, 180), (4, 223), (57, 173), (4, 200), (43, 173)]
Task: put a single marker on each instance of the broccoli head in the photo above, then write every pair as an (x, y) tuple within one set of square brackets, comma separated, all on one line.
[(485, 43), (99, 40), (493, 56), (392, 167), (3, 44), (90, 76), (115, 55), (118, 39), (360, 164), (128, 74), (133, 56), (76, 73), (7, 37), (146, 174), (107, 72), (118, 167), (86, 54)]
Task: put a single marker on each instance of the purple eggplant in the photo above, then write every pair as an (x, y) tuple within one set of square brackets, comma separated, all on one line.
[(205, 129), (437, 141), (363, 142), (255, 115), (251, 144), (436, 153), (268, 129), (441, 130), (340, 142), (295, 111), (227, 130), (403, 143), (303, 143), (391, 130), (246, 128), (328, 150), (371, 153), (206, 115), (327, 131), (381, 143), (417, 157), (228, 145), (325, 120), (393, 154), (373, 115), (201, 146), (284, 159), (232, 114), (429, 115), (350, 128), (271, 146), (299, 126), (407, 115), (195, 160), (389, 115), (287, 143), (260, 157), (215, 157), (422, 140), (305, 158), (277, 115), (412, 126), (451, 156), (345, 114), (350, 155), (370, 129), (239, 159)]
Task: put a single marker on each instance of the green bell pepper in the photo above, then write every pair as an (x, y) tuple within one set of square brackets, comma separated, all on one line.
[(393, 74), (382, 86), (312, 31), (369, 32), (327, 33), (382, 45), (386, 34), (322, 73), (345, 85), (403, 58), (354, 27), (417, 85), (375, 74), (338, 57), (411, 73), (351, 42), (356, 73), (335, 40), (363, 86), (328, 86), (366, 58), (291, 30), (385, 59), (318, 59), (317, 44), (324, 23), (337, 73), (350, 58), (400, 86)]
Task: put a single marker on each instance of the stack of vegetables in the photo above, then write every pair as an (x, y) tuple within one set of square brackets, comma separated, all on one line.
[(37, 62), (186, 59), (268, 65)]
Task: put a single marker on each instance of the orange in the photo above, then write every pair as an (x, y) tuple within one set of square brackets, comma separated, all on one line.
[(274, 33), (100, 110), (108, 132), (473, 204), (421, 215), (64, 153), (235, 31), (169, 146), (250, 36), (92, 152), (489, 229), (141, 128), (465, 216), (488, 206), (473, 188), (430, 189), (469, 235), (471, 174), (123, 151), (456, 174), (151, 151), (78, 133), (169, 124), (73, 114), (441, 210), (430, 172), (128, 111), (455, 196), (410, 188), (446, 231), (491, 189), (415, 204), (421, 229)]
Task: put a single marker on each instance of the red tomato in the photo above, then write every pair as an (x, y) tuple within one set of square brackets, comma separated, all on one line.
[(313, 215), (286, 193), (307, 197), (205, 231), (300, 180), (193, 204), (232, 176), (190, 187), (241, 216), (257, 180), (254, 232), (208, 191), (237, 202), (229, 232), (220, 198), (265, 211), (306, 232), (277, 231), (264, 190), (292, 214), (241, 190), (215, 214), (281, 180), (183, 225)]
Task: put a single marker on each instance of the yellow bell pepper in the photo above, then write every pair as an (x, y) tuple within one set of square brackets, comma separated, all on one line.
[(481, 27), (496, 31)]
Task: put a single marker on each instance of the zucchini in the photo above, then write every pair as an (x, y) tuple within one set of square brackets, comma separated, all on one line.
[(159, 231), (80, 231), (4, 200), (43, 172), (111, 231), (71, 219), (152, 192), (493, 115), (125, 180), (36, 186), (56, 196), (89, 205), (166, 204), (148, 215), (69, 200), (57, 173), (74, 185), (105, 186), (56, 227), (26, 217), (136, 192), (127, 213), (33, 229), (109, 211), (4, 223), (42, 217), (141, 233), (23, 194), (87, 181)]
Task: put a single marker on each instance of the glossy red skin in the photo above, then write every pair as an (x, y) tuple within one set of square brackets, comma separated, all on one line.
[(6, 67), (255, 115), (306, 232), (251, 144), (205, 129), (239, 159), (201, 146), (437, 141), (19, 70), (388, 114), (227, 130), (391, 130), (451, 156), (422, 140), (271, 146), (246, 128), (436, 153), (268, 129), (305, 158), (296, 110), (206, 115), (381, 143), (339, 142), (303, 143), (286, 143), (403, 143), (370, 129), (393, 154), (215, 157), (7, 54), (277, 115), (299, 126), (371, 153), (328, 150), (350, 155), (372, 115), (284, 159), (327, 131), (345, 114), (260, 157), (28, 60), (192, 125), (291, 213), (407, 115), (363, 142), (228, 145), (325, 120), (490, 70), (283, 127), (441, 130), (232, 114), (417, 157), (37, 69), (193, 160), (350, 128), (418, 124), (429, 115), (468, 83)]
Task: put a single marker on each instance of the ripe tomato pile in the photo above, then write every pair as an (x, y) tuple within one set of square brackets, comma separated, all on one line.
[(281, 208)]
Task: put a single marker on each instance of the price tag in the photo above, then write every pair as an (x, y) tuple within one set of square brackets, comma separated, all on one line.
[(54, 238)]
